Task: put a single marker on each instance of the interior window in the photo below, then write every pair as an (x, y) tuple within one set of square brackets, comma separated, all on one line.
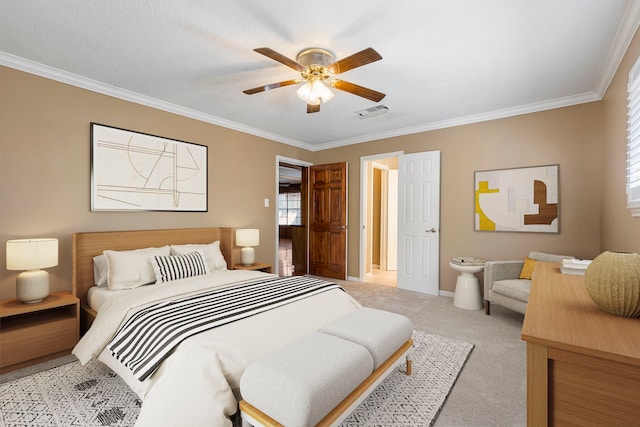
[(289, 208), (633, 141)]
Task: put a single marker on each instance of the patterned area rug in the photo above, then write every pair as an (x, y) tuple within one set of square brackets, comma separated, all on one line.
[(92, 395), (415, 400)]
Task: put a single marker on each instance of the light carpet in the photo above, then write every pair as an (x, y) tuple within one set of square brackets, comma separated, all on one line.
[(92, 395)]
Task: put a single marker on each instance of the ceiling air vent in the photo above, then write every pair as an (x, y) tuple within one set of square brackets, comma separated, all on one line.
[(372, 112)]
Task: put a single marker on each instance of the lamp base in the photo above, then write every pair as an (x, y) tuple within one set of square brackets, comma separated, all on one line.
[(247, 256), (32, 286)]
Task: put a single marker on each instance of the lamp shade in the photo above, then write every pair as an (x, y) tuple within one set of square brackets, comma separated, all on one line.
[(31, 254), (313, 92), (247, 237)]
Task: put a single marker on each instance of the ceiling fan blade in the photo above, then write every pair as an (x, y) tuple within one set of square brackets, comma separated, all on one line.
[(355, 89), (359, 59), (313, 108), (270, 53), (270, 86)]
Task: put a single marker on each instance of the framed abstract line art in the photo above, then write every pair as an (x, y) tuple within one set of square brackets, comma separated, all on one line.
[(520, 199), (133, 171)]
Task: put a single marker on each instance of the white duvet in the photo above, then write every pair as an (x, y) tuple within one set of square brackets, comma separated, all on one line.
[(198, 384)]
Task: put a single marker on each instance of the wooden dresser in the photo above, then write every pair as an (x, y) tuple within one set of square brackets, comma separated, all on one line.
[(583, 364)]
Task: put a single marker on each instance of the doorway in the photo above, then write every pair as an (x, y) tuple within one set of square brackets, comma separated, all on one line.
[(317, 242), (378, 258), (292, 217), (418, 222)]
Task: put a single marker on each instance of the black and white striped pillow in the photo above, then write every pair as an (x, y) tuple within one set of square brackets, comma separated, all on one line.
[(174, 267)]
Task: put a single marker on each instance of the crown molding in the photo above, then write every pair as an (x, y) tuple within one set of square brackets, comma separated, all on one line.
[(110, 90), (623, 39), (624, 36), (82, 82), (466, 120)]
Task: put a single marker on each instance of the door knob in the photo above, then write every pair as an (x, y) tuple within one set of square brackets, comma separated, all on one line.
[(433, 230)]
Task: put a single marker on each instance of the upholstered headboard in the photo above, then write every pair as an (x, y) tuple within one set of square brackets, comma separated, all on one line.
[(89, 244)]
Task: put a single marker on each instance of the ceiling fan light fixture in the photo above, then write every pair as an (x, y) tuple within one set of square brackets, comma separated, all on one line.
[(317, 68), (314, 91), (315, 56)]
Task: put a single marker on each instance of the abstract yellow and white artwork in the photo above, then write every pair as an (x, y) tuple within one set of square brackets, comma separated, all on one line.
[(519, 199)]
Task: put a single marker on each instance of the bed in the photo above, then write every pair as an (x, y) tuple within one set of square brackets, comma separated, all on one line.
[(89, 244), (198, 381)]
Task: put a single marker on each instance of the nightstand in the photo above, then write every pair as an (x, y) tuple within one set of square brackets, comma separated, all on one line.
[(33, 333), (259, 266)]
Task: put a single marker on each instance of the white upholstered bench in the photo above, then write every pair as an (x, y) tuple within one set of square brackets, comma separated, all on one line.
[(322, 377)]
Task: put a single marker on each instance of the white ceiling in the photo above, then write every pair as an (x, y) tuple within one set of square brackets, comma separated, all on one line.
[(444, 62)]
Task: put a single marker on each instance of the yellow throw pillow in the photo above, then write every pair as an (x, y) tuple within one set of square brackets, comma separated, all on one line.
[(527, 268)]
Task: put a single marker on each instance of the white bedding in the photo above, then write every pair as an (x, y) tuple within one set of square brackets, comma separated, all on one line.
[(198, 384), (98, 295)]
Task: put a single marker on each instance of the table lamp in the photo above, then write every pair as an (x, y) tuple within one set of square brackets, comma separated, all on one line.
[(31, 255), (247, 238)]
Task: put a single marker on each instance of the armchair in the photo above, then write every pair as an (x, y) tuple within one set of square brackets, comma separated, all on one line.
[(502, 285)]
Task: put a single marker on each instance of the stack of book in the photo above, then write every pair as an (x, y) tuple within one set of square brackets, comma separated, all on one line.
[(574, 266), (467, 260)]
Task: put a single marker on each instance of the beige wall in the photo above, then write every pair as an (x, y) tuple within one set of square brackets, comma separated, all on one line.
[(45, 159), (570, 137), (620, 231), (44, 171)]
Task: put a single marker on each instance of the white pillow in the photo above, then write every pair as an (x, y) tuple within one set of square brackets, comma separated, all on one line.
[(215, 259), (100, 270), (174, 267), (130, 269)]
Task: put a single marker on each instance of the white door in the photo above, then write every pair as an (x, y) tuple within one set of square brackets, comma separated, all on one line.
[(419, 222), (392, 220)]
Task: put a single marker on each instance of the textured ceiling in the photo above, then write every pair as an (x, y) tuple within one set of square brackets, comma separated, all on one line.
[(444, 62)]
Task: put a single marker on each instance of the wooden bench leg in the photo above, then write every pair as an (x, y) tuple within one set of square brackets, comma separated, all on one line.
[(409, 366)]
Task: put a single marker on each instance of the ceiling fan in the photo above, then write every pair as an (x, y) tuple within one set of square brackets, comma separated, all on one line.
[(317, 66)]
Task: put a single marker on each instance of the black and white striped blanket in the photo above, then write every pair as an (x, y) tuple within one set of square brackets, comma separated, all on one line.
[(147, 337)]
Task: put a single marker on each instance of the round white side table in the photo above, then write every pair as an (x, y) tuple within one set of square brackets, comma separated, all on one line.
[(467, 293)]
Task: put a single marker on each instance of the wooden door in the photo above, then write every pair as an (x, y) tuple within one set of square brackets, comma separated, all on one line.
[(419, 222), (299, 250), (328, 220)]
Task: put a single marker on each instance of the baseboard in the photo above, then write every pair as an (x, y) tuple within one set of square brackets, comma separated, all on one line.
[(441, 293)]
